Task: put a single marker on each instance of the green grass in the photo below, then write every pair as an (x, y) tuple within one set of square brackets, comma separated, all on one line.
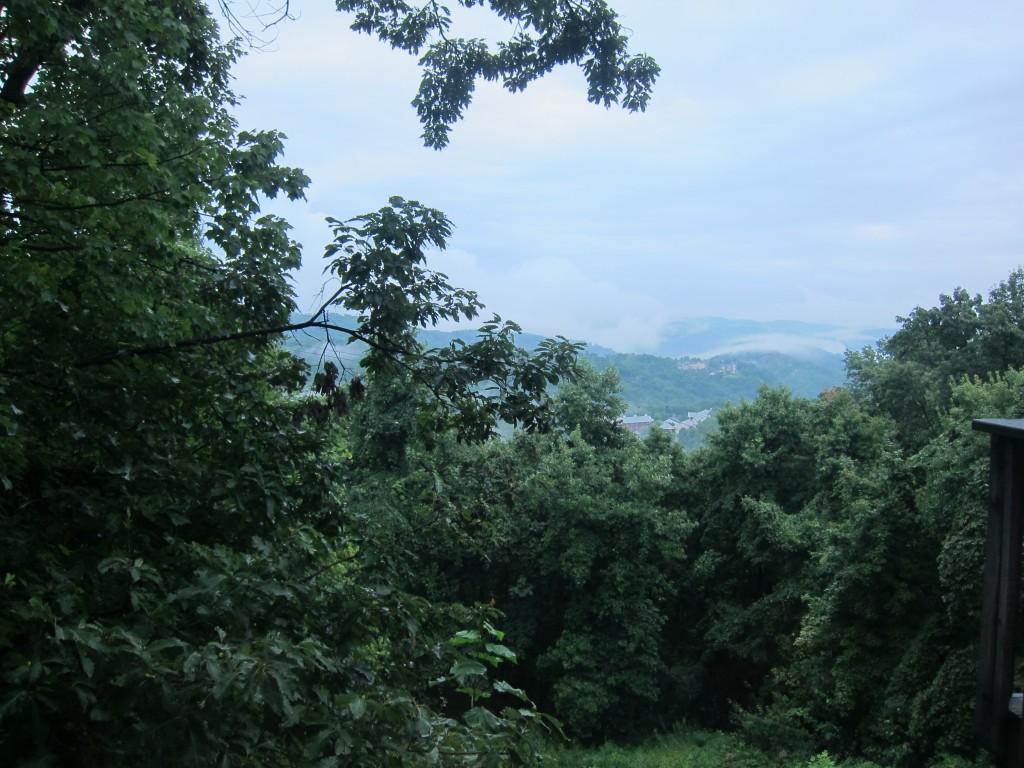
[(690, 749), (707, 749)]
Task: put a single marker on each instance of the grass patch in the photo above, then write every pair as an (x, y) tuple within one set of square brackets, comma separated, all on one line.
[(686, 748)]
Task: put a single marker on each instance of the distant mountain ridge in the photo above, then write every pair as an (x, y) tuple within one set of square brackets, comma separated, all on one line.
[(708, 337), (664, 386), (701, 363)]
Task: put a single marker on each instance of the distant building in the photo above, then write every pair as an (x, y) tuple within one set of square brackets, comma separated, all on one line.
[(693, 418), (702, 365), (637, 424), (674, 425)]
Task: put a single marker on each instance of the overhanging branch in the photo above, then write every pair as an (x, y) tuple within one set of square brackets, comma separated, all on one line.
[(207, 341)]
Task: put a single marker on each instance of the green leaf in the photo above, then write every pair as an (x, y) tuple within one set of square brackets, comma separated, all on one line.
[(484, 719), (502, 687), (357, 707), (463, 669), (500, 650), (465, 637)]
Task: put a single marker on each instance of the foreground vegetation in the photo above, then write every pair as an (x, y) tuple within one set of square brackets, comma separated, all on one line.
[(711, 749), (188, 576), (215, 556), (810, 576)]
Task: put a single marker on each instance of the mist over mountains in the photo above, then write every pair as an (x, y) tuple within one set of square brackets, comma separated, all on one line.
[(699, 363), (707, 337)]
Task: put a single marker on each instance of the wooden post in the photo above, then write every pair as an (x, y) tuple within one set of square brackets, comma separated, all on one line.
[(997, 725)]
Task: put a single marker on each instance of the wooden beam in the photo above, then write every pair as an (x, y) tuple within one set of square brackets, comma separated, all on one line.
[(996, 726), (987, 723)]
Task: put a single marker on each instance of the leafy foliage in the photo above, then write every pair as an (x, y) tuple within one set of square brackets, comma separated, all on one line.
[(804, 575), (580, 549), (547, 34), (206, 562), (688, 747), (910, 375), (184, 581)]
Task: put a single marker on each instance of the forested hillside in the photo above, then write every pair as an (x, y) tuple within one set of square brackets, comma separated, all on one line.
[(811, 574), (213, 554), (659, 386), (664, 386)]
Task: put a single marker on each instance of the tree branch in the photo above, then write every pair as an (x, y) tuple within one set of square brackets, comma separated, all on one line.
[(30, 59), (207, 341)]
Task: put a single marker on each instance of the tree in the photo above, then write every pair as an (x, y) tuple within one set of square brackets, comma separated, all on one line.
[(581, 551), (884, 659), (181, 579), (867, 588), (911, 374), (739, 603), (547, 34)]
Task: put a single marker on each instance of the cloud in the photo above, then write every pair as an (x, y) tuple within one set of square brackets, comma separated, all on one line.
[(832, 162), (789, 344), (876, 233), (555, 296), (826, 80)]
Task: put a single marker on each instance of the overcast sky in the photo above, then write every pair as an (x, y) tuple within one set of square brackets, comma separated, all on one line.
[(801, 160)]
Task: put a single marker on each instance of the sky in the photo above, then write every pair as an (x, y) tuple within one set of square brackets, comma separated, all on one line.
[(824, 162)]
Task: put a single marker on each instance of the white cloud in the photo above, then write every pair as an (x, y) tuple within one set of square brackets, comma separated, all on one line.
[(826, 80), (785, 343), (555, 296), (831, 162)]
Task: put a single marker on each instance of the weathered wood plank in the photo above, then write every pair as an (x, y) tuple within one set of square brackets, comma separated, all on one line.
[(987, 720), (1012, 428), (997, 723), (1008, 603)]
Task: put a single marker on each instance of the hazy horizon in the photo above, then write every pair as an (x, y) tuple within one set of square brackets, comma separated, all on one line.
[(829, 164)]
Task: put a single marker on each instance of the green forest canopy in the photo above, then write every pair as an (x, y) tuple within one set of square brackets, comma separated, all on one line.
[(186, 579), (210, 557)]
